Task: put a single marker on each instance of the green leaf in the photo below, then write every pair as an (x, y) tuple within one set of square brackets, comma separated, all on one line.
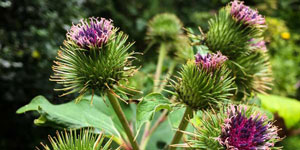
[(287, 108), (71, 115), (148, 106)]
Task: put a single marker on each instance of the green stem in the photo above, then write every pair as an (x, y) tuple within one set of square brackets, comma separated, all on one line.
[(161, 57), (182, 126), (116, 106)]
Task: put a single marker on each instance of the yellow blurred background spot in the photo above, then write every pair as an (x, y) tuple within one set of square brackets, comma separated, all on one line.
[(285, 35)]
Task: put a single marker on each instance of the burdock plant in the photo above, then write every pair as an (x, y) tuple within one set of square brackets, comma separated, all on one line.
[(230, 66), (237, 127)]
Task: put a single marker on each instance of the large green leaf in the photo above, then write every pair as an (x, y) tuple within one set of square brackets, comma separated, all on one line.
[(287, 108), (72, 115), (148, 106)]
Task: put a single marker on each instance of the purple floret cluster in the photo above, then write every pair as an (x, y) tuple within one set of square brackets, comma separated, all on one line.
[(210, 62), (92, 33), (245, 14), (240, 132)]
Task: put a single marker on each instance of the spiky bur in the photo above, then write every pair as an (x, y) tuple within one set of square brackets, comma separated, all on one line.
[(72, 140), (237, 127), (94, 58), (203, 82), (252, 74), (164, 27), (232, 29)]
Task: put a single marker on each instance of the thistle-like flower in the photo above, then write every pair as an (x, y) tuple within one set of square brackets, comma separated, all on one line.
[(247, 132), (94, 58), (232, 29), (234, 128), (204, 81), (245, 14), (94, 33)]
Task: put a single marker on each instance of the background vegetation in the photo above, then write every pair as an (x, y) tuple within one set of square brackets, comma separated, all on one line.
[(32, 31)]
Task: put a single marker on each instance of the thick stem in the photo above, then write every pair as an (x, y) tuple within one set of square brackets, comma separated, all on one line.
[(182, 126), (117, 108)]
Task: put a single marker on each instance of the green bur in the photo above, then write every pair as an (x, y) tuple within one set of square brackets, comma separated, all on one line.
[(229, 36)]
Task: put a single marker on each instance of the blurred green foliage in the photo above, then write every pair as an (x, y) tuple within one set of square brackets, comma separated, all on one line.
[(32, 31)]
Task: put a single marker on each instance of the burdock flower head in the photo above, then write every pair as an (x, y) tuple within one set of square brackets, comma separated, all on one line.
[(94, 58), (232, 29), (245, 14), (204, 81), (242, 130), (237, 127), (92, 33)]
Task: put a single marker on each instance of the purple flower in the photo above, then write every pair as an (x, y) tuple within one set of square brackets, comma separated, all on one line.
[(240, 132), (245, 14), (210, 62), (93, 33)]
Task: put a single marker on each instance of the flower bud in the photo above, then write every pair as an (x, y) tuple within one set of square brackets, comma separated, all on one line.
[(164, 28)]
